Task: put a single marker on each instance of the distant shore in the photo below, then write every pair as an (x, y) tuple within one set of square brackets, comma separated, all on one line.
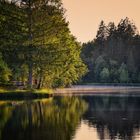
[(93, 89), (112, 84)]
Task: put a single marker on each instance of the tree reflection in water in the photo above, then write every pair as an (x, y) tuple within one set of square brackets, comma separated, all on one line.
[(5, 114), (51, 119), (114, 117), (59, 118)]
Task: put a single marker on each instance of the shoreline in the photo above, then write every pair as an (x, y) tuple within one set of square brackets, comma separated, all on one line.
[(93, 89), (111, 84), (6, 94), (23, 96)]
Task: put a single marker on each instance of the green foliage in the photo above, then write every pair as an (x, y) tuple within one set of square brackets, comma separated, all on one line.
[(104, 75), (5, 72), (115, 45), (123, 74), (40, 49), (99, 65)]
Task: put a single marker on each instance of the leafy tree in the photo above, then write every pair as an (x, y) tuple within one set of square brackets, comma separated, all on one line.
[(40, 43), (5, 72), (104, 75), (124, 78), (114, 74), (99, 65)]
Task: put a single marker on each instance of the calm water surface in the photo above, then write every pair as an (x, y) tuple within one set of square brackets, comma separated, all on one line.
[(78, 117)]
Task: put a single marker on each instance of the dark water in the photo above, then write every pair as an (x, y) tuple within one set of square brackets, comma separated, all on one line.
[(71, 118)]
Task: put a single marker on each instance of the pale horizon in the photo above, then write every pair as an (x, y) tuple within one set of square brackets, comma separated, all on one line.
[(84, 16)]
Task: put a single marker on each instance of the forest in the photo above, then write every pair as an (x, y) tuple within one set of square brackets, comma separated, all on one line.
[(37, 48), (114, 55)]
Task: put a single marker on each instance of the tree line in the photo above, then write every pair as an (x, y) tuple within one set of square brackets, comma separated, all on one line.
[(36, 45), (114, 55)]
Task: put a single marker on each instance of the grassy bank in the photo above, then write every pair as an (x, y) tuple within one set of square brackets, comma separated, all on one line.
[(24, 94)]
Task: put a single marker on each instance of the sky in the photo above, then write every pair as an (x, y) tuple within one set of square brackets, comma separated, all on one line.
[(84, 16)]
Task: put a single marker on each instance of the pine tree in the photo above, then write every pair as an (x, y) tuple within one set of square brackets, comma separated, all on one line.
[(43, 42)]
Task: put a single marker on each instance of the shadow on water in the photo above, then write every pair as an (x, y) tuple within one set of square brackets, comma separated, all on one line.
[(60, 118)]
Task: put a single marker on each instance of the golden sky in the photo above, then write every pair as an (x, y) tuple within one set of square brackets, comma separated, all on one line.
[(85, 15)]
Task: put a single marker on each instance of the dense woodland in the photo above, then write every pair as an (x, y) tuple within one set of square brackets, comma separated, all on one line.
[(38, 50), (114, 55), (36, 45)]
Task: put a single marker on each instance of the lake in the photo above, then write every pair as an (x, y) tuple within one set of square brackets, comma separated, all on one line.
[(72, 117)]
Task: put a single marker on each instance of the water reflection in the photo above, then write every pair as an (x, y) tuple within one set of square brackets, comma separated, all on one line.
[(114, 117), (71, 118), (53, 119)]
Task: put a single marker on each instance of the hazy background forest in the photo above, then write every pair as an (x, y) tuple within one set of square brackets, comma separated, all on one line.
[(114, 55)]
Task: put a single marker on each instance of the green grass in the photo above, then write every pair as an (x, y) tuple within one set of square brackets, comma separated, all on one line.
[(25, 94), (42, 91)]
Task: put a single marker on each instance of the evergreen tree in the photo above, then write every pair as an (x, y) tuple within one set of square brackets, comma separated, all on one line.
[(99, 65), (101, 36), (104, 75), (39, 42), (124, 78), (114, 43)]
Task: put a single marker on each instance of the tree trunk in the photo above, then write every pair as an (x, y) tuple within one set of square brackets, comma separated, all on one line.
[(30, 80), (39, 83)]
